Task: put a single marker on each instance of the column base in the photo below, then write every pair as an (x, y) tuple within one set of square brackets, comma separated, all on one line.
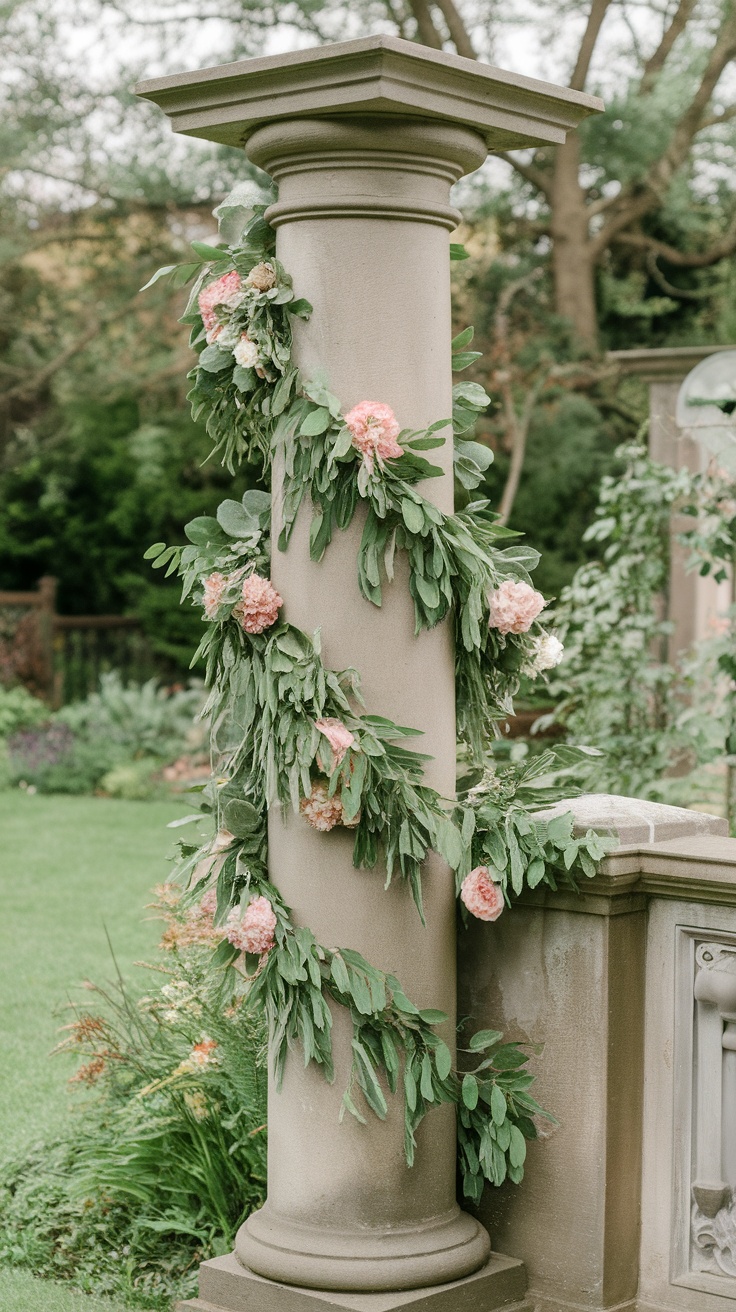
[(226, 1286)]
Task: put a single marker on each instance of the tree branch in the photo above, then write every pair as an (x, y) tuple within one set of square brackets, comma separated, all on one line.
[(597, 13), (455, 26), (715, 120), (426, 30), (656, 62), (30, 387), (668, 287), (720, 250), (634, 204), (527, 171)]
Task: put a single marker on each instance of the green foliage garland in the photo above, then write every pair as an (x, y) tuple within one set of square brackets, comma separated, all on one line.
[(269, 688)]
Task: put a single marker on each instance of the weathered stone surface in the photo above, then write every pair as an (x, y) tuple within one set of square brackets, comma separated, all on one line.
[(226, 1287)]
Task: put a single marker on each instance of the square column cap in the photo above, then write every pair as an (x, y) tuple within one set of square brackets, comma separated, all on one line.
[(370, 76)]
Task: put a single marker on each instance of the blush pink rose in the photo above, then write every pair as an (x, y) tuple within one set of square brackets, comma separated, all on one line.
[(254, 931), (320, 810), (214, 586), (481, 896), (339, 738), (514, 607), (226, 291), (374, 429), (260, 604)]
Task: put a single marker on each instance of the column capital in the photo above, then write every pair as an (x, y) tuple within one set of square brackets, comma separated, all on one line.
[(372, 75)]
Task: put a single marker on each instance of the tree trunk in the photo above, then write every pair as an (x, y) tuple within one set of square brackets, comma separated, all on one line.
[(572, 261)]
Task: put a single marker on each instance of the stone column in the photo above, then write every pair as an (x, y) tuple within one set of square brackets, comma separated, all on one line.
[(693, 603), (365, 140)]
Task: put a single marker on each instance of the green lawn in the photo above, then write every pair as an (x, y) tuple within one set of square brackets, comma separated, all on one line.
[(70, 869)]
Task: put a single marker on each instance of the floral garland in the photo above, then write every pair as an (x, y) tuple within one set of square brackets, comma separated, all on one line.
[(286, 727)]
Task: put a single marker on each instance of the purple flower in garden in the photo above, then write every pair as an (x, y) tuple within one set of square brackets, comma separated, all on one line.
[(31, 750)]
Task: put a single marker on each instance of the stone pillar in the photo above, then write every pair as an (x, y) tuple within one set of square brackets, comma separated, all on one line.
[(365, 140), (574, 973), (693, 603)]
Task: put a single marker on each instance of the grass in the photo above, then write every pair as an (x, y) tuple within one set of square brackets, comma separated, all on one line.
[(70, 869)]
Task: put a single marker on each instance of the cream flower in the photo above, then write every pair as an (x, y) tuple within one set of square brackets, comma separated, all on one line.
[(262, 277), (514, 607), (246, 352), (547, 652), (481, 896)]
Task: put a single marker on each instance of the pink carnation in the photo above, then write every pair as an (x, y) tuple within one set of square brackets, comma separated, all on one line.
[(259, 608), (339, 738), (514, 607), (481, 896), (226, 291), (254, 931), (374, 429), (208, 904), (214, 586), (320, 810)]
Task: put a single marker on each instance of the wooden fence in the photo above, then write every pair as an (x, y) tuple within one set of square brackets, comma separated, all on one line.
[(61, 657)]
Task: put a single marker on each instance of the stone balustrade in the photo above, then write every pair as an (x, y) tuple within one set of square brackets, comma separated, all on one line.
[(630, 987)]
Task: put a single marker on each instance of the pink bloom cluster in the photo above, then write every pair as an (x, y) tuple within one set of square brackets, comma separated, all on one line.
[(324, 812), (214, 586), (514, 607), (374, 429), (339, 738), (226, 291), (481, 896), (254, 931), (260, 604)]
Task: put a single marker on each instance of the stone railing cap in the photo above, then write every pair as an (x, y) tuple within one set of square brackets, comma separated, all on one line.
[(372, 75), (634, 822), (662, 363)]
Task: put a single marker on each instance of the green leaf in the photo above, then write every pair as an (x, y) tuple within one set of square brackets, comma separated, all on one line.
[(235, 520), (426, 1086), (470, 1092), (241, 817), (208, 253), (443, 1060), (154, 551), (484, 1039), (458, 252), (316, 422), (517, 1147), (432, 1016), (463, 339), (204, 531), (412, 515), (213, 359), (498, 1105)]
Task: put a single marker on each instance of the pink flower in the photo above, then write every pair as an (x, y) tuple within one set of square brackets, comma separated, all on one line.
[(259, 608), (481, 896), (374, 429), (254, 931), (514, 607), (339, 738), (320, 810), (225, 291), (214, 586), (208, 904)]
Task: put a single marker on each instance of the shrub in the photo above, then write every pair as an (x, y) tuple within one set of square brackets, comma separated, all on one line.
[(119, 735), (167, 1156), (20, 710)]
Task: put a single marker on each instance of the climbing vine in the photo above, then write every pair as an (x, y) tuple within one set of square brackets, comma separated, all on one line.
[(287, 728)]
